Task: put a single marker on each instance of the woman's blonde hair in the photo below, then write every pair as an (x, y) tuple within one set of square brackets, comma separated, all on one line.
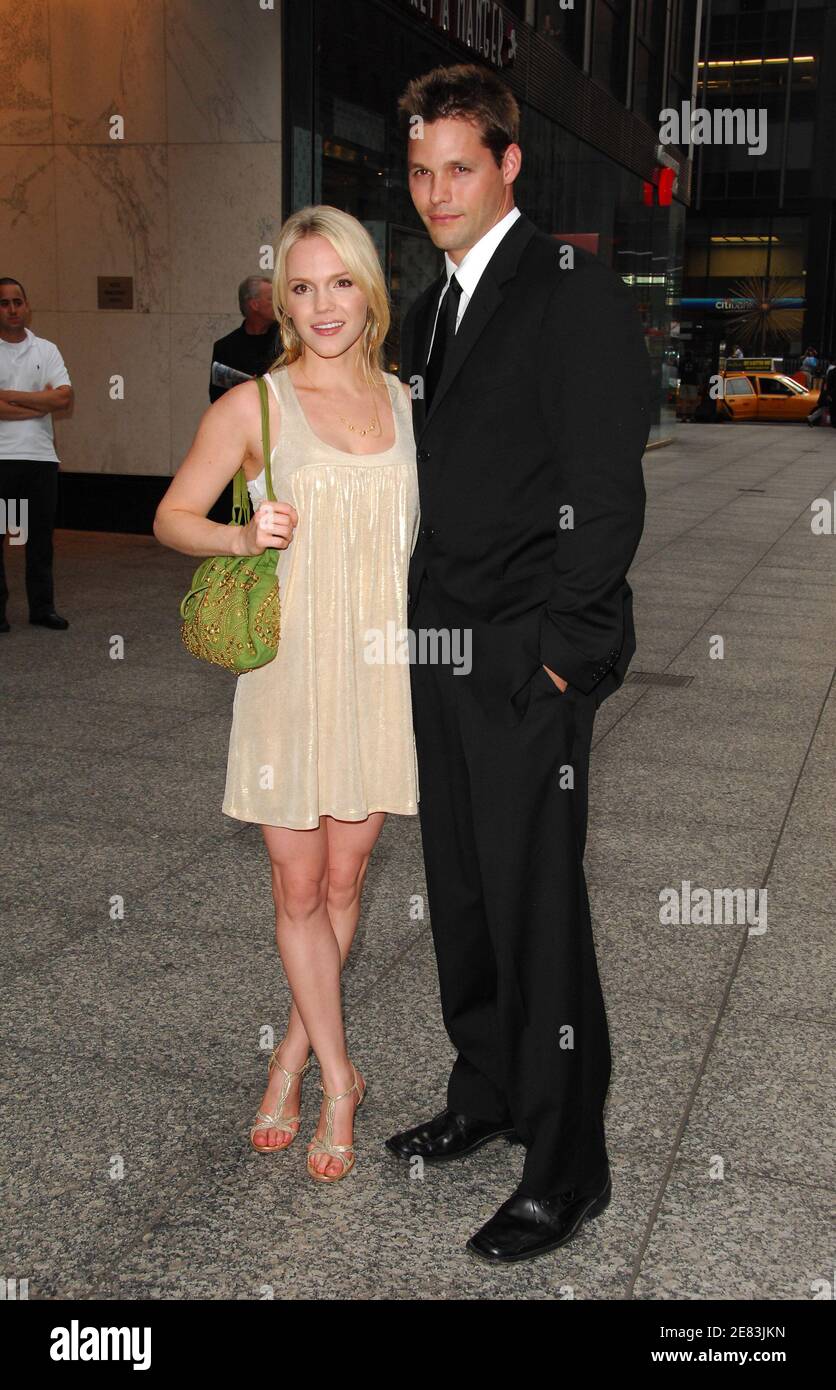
[(358, 253)]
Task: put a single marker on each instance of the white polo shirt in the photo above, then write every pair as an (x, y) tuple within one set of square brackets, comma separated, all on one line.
[(31, 365)]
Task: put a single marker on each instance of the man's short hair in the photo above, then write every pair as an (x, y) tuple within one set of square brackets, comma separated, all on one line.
[(466, 92), (249, 289), (10, 280)]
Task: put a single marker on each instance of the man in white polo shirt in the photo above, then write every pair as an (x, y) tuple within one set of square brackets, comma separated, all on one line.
[(34, 386)]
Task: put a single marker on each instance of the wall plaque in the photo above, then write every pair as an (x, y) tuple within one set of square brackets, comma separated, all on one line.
[(115, 291)]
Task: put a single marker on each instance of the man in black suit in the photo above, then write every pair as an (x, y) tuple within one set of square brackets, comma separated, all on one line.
[(255, 344), (532, 389)]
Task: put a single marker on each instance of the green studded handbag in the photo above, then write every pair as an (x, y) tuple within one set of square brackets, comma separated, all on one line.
[(231, 614)]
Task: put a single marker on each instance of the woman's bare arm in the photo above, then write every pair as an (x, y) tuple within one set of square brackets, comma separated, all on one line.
[(229, 433)]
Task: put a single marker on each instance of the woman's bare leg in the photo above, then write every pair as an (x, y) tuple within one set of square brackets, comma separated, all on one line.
[(303, 853), (318, 878)]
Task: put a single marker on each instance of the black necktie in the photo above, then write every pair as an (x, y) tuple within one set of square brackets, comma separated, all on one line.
[(445, 331)]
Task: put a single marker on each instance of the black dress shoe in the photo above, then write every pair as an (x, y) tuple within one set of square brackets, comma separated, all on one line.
[(50, 619), (528, 1226), (448, 1135), (4, 626)]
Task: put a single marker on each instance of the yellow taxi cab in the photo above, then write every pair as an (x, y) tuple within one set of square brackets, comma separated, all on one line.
[(754, 395)]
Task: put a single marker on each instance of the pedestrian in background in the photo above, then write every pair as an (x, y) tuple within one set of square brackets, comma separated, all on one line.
[(809, 366), (689, 388), (34, 386), (252, 347)]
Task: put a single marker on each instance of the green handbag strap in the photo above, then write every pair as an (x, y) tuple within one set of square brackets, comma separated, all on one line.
[(265, 438), (241, 504)]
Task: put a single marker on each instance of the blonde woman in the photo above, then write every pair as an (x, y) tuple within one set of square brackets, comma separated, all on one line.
[(321, 745)]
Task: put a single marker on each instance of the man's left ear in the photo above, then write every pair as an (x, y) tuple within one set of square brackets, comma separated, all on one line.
[(512, 163)]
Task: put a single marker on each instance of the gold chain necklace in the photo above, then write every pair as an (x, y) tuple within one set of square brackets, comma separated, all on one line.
[(374, 425)]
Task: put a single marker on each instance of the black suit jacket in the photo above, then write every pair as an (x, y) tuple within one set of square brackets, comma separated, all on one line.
[(248, 352), (544, 405)]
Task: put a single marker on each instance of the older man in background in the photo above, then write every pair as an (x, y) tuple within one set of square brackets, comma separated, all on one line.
[(253, 346)]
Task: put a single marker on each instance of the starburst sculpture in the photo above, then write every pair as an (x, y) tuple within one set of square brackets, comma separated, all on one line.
[(765, 319)]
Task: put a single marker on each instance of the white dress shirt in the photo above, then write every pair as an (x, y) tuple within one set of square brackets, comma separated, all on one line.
[(470, 270)]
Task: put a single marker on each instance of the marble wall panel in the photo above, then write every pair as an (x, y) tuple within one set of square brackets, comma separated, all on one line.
[(108, 59), (192, 336), (182, 203), (26, 96), (223, 71), (225, 205), (106, 435), (28, 241), (112, 209)]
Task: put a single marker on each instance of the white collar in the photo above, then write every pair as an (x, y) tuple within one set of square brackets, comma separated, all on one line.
[(469, 271), (28, 339)]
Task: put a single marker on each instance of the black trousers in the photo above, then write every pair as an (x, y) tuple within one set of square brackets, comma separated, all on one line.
[(503, 836), (37, 481)]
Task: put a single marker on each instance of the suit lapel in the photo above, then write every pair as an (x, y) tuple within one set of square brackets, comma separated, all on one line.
[(424, 320), (479, 312), (482, 307), (424, 327)]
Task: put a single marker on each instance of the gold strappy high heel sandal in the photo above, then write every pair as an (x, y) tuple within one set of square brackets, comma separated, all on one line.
[(277, 1120), (326, 1146)]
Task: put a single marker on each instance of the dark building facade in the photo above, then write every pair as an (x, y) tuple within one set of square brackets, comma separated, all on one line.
[(591, 79), (760, 258)]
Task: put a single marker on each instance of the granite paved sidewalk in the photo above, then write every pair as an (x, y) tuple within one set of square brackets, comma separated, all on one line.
[(131, 1035)]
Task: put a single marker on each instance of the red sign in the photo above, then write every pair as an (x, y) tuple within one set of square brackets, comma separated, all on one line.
[(662, 180)]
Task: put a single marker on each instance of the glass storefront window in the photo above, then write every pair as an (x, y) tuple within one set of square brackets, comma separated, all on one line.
[(648, 69), (683, 25), (730, 258), (610, 41), (788, 249), (750, 65), (563, 27)]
